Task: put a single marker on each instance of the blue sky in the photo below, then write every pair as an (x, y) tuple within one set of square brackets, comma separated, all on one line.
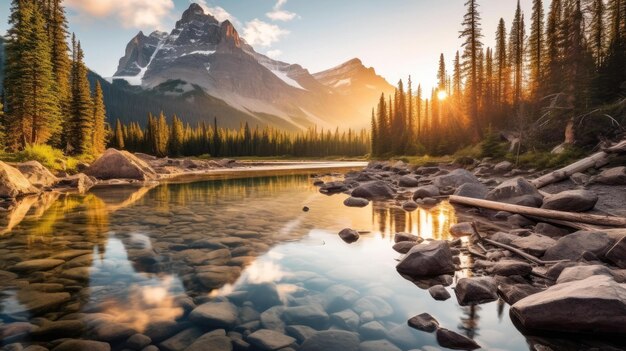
[(396, 37)]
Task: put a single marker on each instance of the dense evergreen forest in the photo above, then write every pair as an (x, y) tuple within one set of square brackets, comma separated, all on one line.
[(562, 82), (49, 100)]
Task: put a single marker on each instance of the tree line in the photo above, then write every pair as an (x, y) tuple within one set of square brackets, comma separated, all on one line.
[(47, 97), (176, 138), (563, 80)]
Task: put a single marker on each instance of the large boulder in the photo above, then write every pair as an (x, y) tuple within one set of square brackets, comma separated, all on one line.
[(573, 246), (593, 305), (116, 164), (81, 182), (613, 176), (215, 315), (37, 174), (571, 200), (427, 260), (517, 191), (534, 244), (13, 183), (476, 290), (473, 190), (455, 179), (408, 181), (425, 191), (374, 190)]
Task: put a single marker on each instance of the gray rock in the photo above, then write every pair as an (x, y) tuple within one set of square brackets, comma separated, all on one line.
[(425, 191), (270, 319), (404, 246), (439, 292), (462, 229), (214, 341), (571, 274), (331, 340), (550, 230), (181, 340), (112, 332), (519, 221), (424, 322), (410, 206), (400, 237), (517, 191), (613, 176), (300, 332), (572, 246), (116, 164), (58, 329), (37, 174), (35, 303), (346, 319), (374, 190), (511, 293), (378, 345), (372, 330), (453, 340), (138, 341), (571, 200), (339, 297), (30, 266), (215, 315), (333, 187), (476, 290), (374, 304), (594, 305), (580, 178), (427, 260), (455, 179), (264, 295), (13, 183), (503, 167), (349, 235), (356, 202), (81, 182), (162, 329), (82, 345), (269, 340), (473, 190), (408, 181), (533, 244), (312, 315), (509, 267)]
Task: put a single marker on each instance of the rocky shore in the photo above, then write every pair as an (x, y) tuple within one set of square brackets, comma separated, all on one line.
[(557, 276)]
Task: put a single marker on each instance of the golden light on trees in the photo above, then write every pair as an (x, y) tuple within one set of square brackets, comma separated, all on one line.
[(442, 95)]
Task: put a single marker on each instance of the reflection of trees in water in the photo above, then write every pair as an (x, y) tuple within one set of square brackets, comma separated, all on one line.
[(469, 320), (427, 223)]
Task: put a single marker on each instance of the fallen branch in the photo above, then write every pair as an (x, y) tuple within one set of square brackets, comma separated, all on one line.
[(514, 250), (596, 160), (540, 212)]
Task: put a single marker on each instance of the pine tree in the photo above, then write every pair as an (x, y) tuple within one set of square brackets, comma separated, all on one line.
[(99, 118), (536, 47), (383, 126), (375, 136), (516, 53), (553, 47), (61, 63), (441, 74), (456, 76), (119, 136), (81, 107), (472, 35), (176, 139), (502, 66), (418, 112), (33, 111), (612, 73), (598, 32)]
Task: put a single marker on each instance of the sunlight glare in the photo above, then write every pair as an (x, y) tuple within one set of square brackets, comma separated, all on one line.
[(442, 95)]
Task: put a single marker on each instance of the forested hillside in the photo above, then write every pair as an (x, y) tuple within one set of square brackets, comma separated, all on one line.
[(556, 77)]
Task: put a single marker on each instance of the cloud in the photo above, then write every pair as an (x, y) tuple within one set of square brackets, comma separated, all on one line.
[(274, 53), (257, 32), (218, 12), (130, 13), (278, 14)]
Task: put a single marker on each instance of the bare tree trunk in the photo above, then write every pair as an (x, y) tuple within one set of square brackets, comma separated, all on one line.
[(570, 133)]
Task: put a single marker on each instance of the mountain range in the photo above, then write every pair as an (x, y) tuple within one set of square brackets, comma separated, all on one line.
[(203, 69)]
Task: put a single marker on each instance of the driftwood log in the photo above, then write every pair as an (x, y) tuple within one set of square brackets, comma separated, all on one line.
[(596, 160), (542, 213)]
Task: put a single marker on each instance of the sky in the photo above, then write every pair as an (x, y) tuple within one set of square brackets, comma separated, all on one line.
[(397, 37)]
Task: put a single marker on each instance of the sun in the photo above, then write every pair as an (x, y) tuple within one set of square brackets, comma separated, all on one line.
[(442, 95)]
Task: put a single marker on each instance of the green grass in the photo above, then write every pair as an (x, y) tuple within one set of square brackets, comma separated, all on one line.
[(49, 157)]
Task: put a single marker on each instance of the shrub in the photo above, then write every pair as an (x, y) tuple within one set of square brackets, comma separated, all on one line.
[(45, 154)]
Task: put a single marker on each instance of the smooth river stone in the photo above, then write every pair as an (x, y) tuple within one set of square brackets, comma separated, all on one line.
[(37, 265)]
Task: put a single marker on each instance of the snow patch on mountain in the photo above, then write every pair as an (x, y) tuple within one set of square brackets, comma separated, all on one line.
[(285, 78)]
